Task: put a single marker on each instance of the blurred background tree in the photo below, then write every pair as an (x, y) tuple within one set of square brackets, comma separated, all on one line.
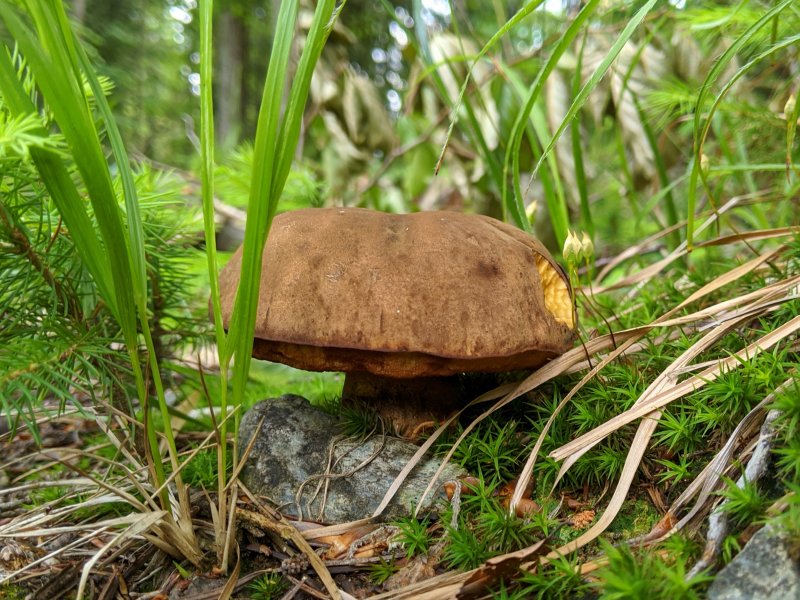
[(148, 50), (392, 72)]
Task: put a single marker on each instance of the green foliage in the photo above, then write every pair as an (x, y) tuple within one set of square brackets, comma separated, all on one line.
[(674, 472), (465, 548), (59, 337), (232, 182), (598, 401), (380, 571), (125, 286), (359, 421), (276, 138), (485, 528), (46, 495), (492, 451), (789, 457), (787, 446), (744, 504), (414, 536), (202, 470), (184, 573), (789, 520), (21, 133), (731, 546), (59, 66), (269, 586), (646, 575), (10, 591), (58, 496), (560, 578), (504, 531), (96, 257), (679, 432)]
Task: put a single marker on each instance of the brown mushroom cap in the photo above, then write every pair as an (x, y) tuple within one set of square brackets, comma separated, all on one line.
[(423, 294)]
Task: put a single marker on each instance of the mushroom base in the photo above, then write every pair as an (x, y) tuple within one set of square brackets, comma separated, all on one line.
[(408, 405)]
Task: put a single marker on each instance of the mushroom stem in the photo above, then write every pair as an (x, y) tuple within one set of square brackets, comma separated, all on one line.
[(405, 403)]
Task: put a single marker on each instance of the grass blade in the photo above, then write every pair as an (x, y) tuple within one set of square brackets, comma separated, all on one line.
[(577, 151), (55, 77), (240, 329), (514, 203), (273, 151), (700, 130), (58, 65), (595, 78), (520, 14)]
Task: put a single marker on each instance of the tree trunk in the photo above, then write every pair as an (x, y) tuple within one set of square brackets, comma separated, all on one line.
[(231, 38)]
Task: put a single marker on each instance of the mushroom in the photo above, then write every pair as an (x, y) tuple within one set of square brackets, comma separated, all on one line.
[(402, 303)]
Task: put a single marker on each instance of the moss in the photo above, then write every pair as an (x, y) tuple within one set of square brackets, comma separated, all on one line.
[(636, 518), (10, 591)]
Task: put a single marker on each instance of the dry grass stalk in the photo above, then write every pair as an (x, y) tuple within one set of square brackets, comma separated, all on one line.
[(717, 321), (704, 485), (142, 524), (271, 520), (755, 469)]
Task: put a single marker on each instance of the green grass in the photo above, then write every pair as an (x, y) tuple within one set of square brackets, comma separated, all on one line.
[(60, 497), (201, 470), (10, 591)]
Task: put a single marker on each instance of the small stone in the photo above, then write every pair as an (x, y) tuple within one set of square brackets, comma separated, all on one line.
[(293, 445), (767, 568)]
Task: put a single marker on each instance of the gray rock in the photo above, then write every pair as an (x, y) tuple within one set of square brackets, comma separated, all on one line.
[(767, 569), (293, 445)]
